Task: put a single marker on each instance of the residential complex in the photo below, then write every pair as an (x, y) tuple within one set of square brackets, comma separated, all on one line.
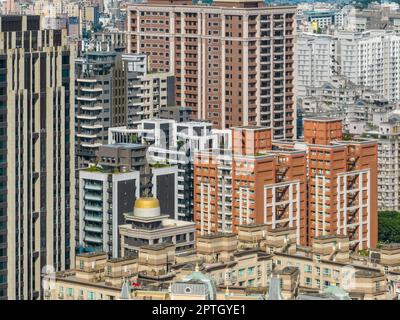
[(269, 182), (199, 150), (173, 143), (251, 183), (223, 272), (366, 58), (103, 199), (224, 71), (114, 89)]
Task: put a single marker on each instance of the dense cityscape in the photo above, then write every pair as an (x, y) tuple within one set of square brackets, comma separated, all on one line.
[(199, 150)]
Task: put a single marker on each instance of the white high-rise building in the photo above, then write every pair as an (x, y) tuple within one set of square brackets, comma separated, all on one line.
[(174, 143), (368, 58)]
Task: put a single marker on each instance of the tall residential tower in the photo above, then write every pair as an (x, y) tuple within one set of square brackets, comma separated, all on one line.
[(36, 155), (232, 60)]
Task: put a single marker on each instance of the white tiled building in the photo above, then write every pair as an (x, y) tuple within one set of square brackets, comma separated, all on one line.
[(368, 58), (175, 144)]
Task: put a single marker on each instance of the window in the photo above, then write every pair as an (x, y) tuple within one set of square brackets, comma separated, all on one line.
[(91, 295), (318, 258), (377, 285), (70, 292), (318, 270), (326, 284), (250, 271), (308, 268), (308, 281), (386, 268), (250, 283), (327, 272), (81, 264), (241, 272)]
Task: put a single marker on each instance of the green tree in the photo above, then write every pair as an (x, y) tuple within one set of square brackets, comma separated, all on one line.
[(389, 226)]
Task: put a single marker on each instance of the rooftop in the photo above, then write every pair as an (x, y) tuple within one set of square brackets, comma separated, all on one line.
[(217, 235), (157, 247), (125, 145)]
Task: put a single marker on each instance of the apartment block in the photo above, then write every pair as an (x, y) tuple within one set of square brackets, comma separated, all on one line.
[(108, 190), (172, 143), (251, 183), (276, 268), (103, 199), (147, 93), (232, 60), (37, 155), (365, 58), (342, 184), (115, 89), (96, 83), (359, 106)]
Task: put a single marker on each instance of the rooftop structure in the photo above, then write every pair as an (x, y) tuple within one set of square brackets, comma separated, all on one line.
[(146, 225)]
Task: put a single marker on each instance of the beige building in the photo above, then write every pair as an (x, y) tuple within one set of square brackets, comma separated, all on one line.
[(147, 225), (274, 268), (37, 223)]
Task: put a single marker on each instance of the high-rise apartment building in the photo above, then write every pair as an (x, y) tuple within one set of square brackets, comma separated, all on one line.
[(174, 143), (250, 184), (387, 131), (37, 155), (107, 191), (98, 81), (320, 186), (115, 89), (232, 60), (342, 184), (365, 58), (104, 197)]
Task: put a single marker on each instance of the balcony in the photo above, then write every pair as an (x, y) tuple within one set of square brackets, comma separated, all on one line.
[(93, 239), (93, 197), (93, 186), (93, 218), (93, 208), (93, 229), (90, 99), (86, 117)]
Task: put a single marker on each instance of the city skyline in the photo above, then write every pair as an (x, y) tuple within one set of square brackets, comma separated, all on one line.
[(193, 150)]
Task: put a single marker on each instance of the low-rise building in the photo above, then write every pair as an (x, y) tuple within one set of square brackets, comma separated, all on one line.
[(327, 270), (147, 225)]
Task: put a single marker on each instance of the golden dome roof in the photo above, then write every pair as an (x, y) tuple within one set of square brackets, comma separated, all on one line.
[(147, 203)]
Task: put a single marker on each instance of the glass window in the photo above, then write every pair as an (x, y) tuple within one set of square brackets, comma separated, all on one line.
[(250, 271), (327, 272), (91, 295), (308, 268)]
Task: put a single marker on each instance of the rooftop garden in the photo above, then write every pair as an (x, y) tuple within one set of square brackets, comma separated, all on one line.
[(159, 165)]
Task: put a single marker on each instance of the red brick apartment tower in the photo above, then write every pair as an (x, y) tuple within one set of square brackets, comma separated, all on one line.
[(233, 60), (254, 184), (342, 184)]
